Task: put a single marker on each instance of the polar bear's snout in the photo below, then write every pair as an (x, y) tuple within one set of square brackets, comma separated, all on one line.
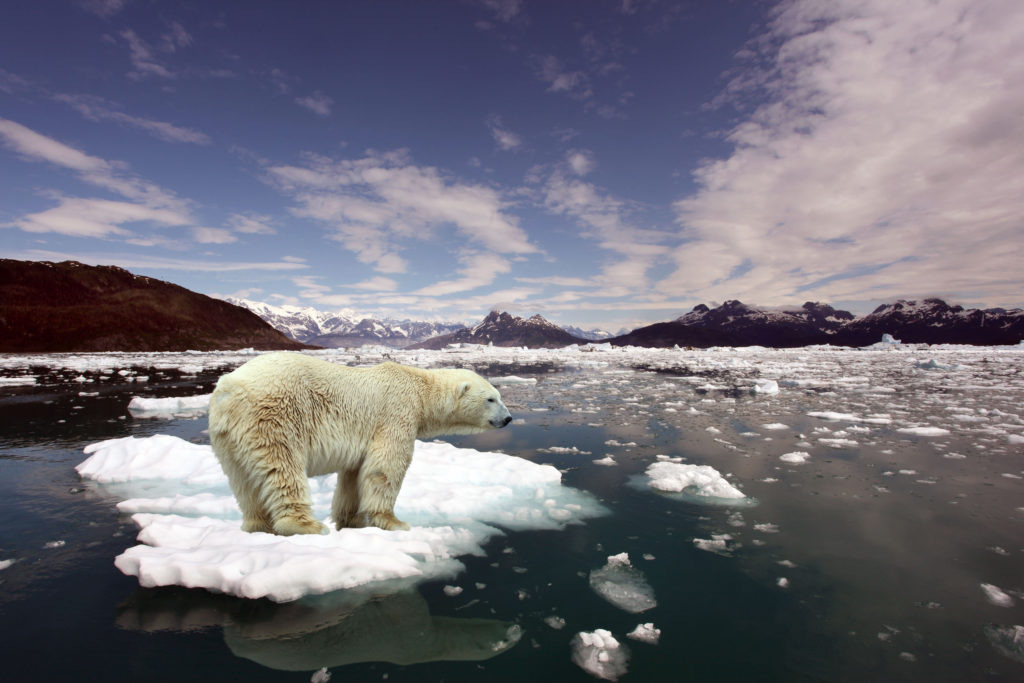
[(502, 419)]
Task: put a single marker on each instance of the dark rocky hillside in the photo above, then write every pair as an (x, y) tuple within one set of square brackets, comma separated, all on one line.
[(505, 329), (70, 306)]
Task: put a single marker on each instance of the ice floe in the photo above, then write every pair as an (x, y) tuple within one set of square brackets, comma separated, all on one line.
[(645, 633), (701, 481), (190, 531), (623, 585), (169, 407), (600, 654)]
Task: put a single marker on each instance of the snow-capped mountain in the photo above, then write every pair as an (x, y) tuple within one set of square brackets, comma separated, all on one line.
[(933, 320), (505, 329), (594, 334), (734, 323), (344, 328)]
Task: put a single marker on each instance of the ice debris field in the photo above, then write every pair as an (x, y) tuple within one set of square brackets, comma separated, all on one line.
[(860, 442)]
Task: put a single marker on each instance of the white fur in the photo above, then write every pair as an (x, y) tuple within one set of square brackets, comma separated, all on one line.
[(283, 417)]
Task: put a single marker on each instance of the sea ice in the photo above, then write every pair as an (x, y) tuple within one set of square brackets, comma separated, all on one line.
[(923, 431), (703, 481), (1007, 640), (511, 379), (996, 595), (796, 457), (623, 585), (645, 633), (191, 534), (169, 407), (599, 654)]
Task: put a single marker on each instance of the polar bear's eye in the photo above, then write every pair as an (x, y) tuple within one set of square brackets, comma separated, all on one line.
[(490, 400)]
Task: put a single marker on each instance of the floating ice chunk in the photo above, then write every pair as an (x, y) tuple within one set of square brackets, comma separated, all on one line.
[(511, 379), (169, 407), (645, 633), (563, 450), (796, 457), (623, 585), (1007, 640), (996, 596), (17, 381), (766, 386), (452, 497), (774, 426), (703, 481), (718, 544), (923, 431), (767, 528), (607, 461), (452, 591), (838, 443), (599, 654), (1015, 438), (880, 419), (555, 622), (4, 564), (782, 582)]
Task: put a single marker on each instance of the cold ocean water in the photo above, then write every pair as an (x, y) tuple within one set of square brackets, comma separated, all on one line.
[(879, 536)]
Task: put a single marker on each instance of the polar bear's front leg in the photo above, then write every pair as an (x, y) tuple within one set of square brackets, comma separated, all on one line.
[(380, 480)]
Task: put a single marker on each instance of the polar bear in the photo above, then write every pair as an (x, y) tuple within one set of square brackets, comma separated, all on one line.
[(283, 417)]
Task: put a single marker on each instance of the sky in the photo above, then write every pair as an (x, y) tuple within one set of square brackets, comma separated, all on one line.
[(603, 163)]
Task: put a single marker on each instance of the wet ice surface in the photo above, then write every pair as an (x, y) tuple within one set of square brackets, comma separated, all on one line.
[(880, 536)]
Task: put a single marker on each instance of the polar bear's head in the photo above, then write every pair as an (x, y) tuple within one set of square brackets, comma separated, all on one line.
[(478, 405)]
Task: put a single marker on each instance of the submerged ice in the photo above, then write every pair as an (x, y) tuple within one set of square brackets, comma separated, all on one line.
[(190, 530), (623, 585)]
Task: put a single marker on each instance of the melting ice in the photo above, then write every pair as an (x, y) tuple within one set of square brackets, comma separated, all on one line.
[(190, 524)]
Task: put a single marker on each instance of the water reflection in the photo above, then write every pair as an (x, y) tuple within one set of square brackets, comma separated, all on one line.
[(337, 629)]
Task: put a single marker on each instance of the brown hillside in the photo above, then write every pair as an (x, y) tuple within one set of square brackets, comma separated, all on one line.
[(70, 306)]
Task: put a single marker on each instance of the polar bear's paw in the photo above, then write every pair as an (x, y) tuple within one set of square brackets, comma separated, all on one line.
[(388, 522), (291, 526)]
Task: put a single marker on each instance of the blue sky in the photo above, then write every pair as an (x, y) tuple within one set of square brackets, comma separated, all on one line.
[(601, 163)]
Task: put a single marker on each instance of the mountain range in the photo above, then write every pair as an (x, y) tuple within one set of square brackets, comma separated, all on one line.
[(344, 329), (69, 306), (930, 321)]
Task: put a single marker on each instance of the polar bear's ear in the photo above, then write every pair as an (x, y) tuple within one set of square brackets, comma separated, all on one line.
[(463, 389)]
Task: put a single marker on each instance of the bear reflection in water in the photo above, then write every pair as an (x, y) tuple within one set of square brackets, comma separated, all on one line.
[(326, 631)]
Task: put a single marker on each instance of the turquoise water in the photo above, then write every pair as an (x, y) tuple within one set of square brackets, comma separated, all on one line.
[(883, 545)]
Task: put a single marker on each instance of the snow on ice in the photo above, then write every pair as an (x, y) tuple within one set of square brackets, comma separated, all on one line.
[(167, 408), (190, 531)]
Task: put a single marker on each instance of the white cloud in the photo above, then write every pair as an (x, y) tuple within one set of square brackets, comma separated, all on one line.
[(377, 204), (581, 161), (318, 103), (251, 224), (213, 235), (376, 284), (97, 109), (503, 137), (134, 262), (605, 219), (103, 8), (34, 146), (478, 270), (503, 10), (143, 58), (96, 218), (559, 79), (887, 159)]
